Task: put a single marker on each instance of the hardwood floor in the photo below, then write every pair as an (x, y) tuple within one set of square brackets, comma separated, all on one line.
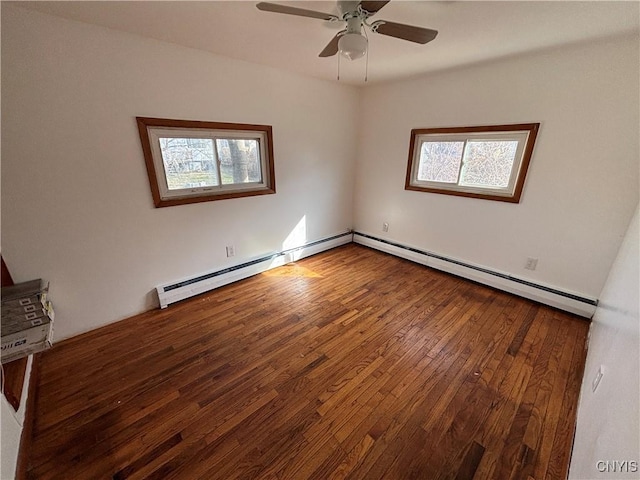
[(350, 364)]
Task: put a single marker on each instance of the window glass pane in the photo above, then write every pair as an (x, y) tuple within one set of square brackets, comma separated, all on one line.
[(189, 162), (488, 163), (239, 161), (440, 161)]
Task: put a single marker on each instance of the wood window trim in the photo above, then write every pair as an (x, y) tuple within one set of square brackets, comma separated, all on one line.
[(145, 122), (532, 128)]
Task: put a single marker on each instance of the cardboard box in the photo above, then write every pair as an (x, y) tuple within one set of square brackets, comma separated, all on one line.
[(22, 290), (12, 310), (27, 319), (24, 341)]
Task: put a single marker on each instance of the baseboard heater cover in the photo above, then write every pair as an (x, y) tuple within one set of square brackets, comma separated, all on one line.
[(174, 292), (554, 297)]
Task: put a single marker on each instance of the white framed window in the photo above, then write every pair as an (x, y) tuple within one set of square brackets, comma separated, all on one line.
[(487, 162), (191, 161)]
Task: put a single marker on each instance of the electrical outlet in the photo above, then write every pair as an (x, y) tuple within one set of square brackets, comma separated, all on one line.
[(385, 227), (531, 264), (231, 251), (597, 378)]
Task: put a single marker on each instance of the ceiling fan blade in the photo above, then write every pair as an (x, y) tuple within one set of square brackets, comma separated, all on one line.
[(300, 12), (332, 47), (405, 32), (372, 7)]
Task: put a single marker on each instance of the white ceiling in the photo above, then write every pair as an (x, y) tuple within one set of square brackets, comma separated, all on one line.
[(469, 31)]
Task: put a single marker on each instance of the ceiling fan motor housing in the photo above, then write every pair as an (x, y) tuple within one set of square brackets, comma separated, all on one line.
[(347, 6)]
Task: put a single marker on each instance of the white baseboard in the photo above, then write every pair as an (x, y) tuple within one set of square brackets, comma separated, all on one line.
[(567, 301), (186, 288)]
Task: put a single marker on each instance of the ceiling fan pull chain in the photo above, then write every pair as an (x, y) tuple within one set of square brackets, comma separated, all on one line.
[(366, 67), (339, 67)]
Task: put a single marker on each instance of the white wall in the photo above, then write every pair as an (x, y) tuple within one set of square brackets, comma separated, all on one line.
[(582, 184), (76, 204), (608, 419), (10, 440)]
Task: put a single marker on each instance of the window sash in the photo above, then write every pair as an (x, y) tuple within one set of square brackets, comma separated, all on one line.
[(519, 137), (523, 134), (155, 134)]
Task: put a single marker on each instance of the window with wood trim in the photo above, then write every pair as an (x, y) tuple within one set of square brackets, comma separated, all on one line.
[(487, 162), (193, 161)]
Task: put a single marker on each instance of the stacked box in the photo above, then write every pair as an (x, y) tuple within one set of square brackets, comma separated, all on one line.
[(27, 320)]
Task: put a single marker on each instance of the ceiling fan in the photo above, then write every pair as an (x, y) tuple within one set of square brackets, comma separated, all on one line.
[(352, 42)]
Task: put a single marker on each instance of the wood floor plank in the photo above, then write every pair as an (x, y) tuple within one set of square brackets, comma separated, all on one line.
[(470, 463), (514, 439), (558, 466), (351, 364)]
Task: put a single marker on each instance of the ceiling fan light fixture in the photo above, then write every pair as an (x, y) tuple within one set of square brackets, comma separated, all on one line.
[(352, 45)]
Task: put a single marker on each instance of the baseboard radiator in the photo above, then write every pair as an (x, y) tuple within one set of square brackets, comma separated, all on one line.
[(567, 301), (181, 290)]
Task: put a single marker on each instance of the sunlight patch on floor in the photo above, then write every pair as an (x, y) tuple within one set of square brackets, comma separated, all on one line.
[(292, 270)]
